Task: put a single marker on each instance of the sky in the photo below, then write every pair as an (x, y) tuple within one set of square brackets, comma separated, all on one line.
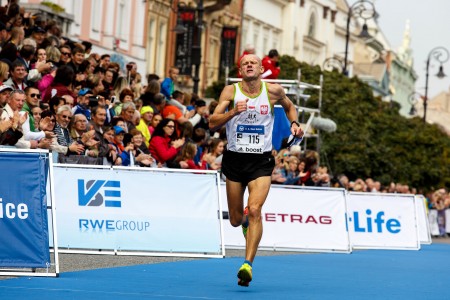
[(429, 28)]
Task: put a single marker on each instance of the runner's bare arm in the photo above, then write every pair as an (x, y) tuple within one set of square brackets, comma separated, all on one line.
[(220, 115)]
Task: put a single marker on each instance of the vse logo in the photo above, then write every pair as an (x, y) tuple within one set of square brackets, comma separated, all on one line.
[(90, 194)]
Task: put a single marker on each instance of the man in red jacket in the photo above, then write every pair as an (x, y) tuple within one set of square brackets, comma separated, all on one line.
[(271, 65)]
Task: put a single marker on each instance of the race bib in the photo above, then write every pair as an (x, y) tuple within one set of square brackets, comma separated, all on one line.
[(250, 138)]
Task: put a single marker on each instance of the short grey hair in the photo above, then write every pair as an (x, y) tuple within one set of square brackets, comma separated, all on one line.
[(127, 105), (63, 108)]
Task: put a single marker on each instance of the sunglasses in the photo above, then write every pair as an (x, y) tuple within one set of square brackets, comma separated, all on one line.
[(170, 126), (65, 53), (66, 117), (35, 96)]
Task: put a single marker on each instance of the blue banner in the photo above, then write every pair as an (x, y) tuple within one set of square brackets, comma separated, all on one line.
[(23, 210), (281, 127)]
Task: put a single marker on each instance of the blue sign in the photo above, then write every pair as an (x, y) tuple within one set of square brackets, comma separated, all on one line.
[(23, 210)]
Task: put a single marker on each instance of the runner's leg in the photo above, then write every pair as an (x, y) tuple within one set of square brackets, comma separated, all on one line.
[(235, 198), (258, 191)]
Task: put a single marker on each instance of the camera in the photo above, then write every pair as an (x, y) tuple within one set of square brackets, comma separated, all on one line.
[(129, 67), (93, 101)]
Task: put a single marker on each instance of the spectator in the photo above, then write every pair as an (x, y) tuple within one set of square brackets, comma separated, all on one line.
[(199, 138), (66, 53), (187, 155), (76, 59), (11, 112), (157, 118), (10, 49), (4, 34), (290, 170), (63, 117), (144, 123), (105, 60), (77, 128), (98, 115), (271, 65), (29, 130), (127, 114), (18, 76), (126, 95), (168, 84), (164, 145), (82, 106), (38, 34), (55, 103), (214, 157), (4, 72), (36, 112), (153, 88), (141, 153), (5, 90), (61, 85)]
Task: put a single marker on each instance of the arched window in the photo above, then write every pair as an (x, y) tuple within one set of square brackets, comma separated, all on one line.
[(312, 25)]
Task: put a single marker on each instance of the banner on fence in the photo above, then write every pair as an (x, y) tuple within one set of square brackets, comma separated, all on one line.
[(138, 209), (298, 218), (24, 241), (422, 220), (382, 221)]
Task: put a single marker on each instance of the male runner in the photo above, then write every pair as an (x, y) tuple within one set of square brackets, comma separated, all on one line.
[(247, 110)]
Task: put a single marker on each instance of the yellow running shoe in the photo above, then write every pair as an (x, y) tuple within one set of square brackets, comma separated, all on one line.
[(244, 275), (245, 227)]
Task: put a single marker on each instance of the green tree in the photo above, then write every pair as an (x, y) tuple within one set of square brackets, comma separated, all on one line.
[(372, 139)]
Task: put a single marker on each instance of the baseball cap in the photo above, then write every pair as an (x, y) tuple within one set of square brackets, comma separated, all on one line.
[(118, 130), (84, 91), (146, 109), (38, 29), (4, 87)]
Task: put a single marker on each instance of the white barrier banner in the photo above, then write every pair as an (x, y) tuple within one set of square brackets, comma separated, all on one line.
[(433, 221), (136, 209), (382, 221), (422, 220), (296, 218)]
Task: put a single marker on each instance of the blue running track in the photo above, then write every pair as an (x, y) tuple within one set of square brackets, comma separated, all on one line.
[(366, 274)]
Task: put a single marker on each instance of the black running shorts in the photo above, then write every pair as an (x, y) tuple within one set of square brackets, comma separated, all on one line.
[(245, 167)]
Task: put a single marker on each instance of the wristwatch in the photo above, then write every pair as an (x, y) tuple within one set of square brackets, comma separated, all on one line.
[(295, 122)]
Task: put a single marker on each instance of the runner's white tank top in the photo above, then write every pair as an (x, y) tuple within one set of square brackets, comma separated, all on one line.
[(251, 130)]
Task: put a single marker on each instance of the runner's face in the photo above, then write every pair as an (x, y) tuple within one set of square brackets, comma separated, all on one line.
[(251, 66)]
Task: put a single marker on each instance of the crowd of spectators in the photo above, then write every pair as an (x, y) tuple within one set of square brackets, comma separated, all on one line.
[(55, 93)]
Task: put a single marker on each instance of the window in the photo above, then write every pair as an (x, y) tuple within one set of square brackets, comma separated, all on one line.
[(312, 25)]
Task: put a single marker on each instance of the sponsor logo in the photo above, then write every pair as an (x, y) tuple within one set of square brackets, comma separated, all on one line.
[(112, 225), (251, 118), (367, 223), (11, 211), (99, 192), (264, 109), (296, 218), (241, 128), (253, 150)]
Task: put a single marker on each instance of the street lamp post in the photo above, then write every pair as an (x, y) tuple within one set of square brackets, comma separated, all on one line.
[(331, 64), (440, 54), (365, 10), (413, 99), (197, 47)]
